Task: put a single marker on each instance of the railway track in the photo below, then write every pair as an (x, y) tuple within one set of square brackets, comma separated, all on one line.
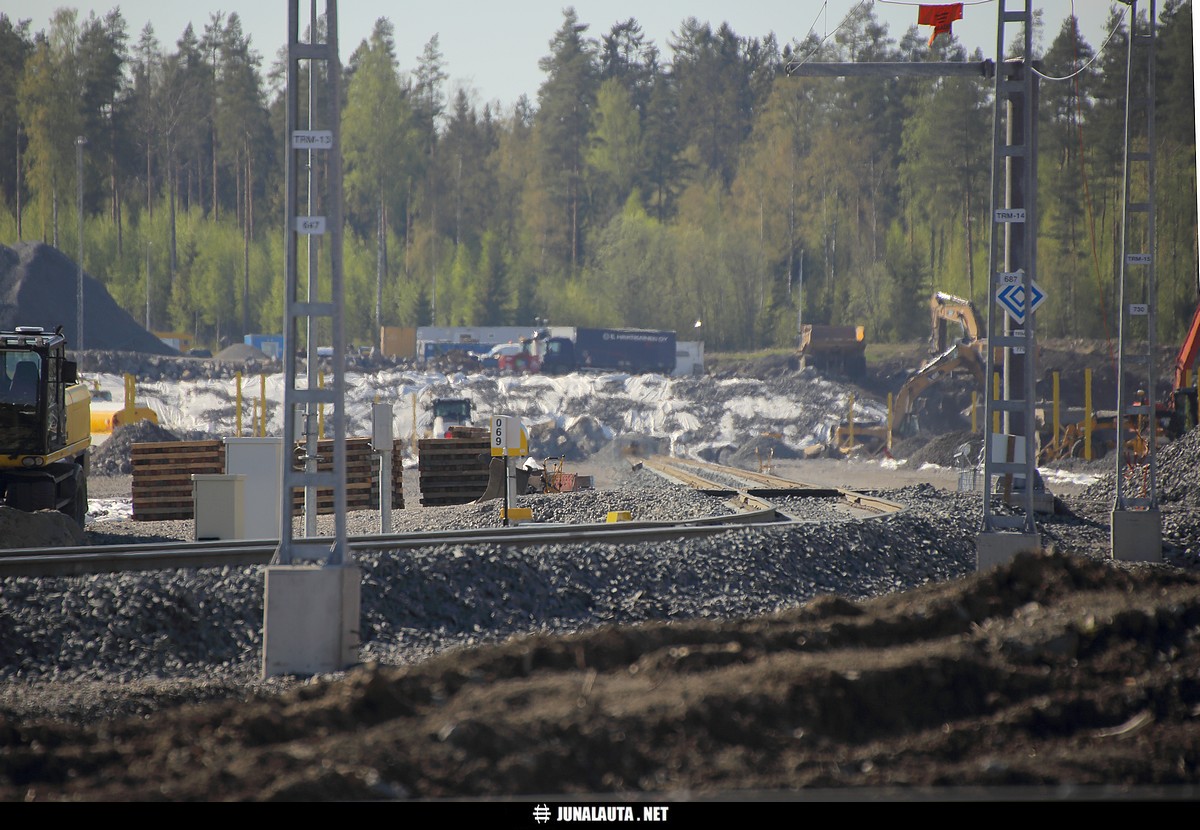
[(91, 559), (747, 492), (749, 487)]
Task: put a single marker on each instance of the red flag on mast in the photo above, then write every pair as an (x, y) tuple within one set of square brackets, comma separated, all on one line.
[(939, 17)]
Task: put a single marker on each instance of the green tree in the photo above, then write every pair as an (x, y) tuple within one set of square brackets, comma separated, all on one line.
[(49, 106), (378, 144), (16, 46), (563, 122), (615, 154)]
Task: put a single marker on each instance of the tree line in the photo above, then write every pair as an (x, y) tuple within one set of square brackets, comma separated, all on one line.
[(643, 187)]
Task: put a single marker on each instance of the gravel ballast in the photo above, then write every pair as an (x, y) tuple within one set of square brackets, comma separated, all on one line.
[(90, 647)]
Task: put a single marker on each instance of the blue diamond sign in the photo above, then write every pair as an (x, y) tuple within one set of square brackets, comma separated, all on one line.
[(1012, 296)]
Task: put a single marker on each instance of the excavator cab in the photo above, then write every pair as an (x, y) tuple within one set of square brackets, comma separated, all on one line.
[(45, 429), (449, 413)]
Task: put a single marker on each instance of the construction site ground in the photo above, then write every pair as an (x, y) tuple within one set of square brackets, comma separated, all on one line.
[(1060, 676)]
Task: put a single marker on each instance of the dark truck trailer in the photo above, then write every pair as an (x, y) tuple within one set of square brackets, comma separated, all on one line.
[(627, 350)]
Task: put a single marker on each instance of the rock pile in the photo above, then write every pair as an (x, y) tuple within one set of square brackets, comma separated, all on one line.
[(114, 456), (38, 287), (1177, 475)]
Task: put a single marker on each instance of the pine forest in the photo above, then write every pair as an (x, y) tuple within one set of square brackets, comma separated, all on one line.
[(648, 184)]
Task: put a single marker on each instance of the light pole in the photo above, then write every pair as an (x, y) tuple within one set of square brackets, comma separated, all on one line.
[(79, 142), (148, 286)]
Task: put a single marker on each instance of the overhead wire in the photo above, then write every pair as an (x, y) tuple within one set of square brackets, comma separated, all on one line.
[(1095, 57), (814, 52)]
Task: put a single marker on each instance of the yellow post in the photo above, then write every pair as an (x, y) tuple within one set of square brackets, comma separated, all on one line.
[(321, 407), (996, 397), (850, 418), (974, 411), (262, 395), (889, 441), (412, 439), (130, 396), (238, 406), (1057, 411), (1087, 414)]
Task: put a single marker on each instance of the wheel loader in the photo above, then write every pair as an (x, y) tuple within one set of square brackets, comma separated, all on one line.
[(45, 424)]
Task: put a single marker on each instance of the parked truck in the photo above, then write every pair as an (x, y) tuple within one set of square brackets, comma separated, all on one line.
[(584, 349)]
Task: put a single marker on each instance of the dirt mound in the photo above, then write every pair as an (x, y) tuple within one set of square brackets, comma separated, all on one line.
[(42, 529), (38, 287), (242, 353), (114, 456), (1018, 677)]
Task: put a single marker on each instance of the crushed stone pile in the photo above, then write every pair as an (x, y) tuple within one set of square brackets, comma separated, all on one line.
[(940, 450), (761, 449), (1178, 474), (38, 287), (114, 456), (242, 353)]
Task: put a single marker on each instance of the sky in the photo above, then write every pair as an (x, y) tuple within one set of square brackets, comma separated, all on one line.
[(492, 49)]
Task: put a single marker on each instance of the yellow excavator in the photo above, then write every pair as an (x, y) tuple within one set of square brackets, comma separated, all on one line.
[(45, 421), (871, 437), (947, 308)]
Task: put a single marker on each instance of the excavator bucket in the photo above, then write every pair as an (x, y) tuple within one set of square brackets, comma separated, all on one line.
[(497, 482)]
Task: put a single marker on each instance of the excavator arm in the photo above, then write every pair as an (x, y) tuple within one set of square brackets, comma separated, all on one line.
[(1186, 359), (956, 358), (947, 308)]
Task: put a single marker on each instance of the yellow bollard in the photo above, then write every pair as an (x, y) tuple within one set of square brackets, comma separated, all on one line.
[(262, 395), (1057, 411), (850, 419), (1087, 414), (238, 405), (321, 407), (130, 397), (996, 397), (516, 515), (889, 425), (974, 412)]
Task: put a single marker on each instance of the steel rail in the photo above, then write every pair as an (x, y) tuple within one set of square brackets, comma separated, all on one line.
[(81, 560)]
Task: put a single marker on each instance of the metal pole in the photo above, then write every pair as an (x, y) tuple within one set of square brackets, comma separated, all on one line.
[(148, 286), (79, 142), (311, 439)]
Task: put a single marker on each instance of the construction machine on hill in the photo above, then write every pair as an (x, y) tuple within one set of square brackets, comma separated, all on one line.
[(841, 349), (45, 424), (1181, 407)]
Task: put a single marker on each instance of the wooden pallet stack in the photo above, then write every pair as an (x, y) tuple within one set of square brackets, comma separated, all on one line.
[(454, 470), (162, 476), (361, 472)]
